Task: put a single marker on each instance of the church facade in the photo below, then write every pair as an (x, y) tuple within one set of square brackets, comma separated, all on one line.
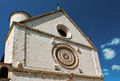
[(49, 47)]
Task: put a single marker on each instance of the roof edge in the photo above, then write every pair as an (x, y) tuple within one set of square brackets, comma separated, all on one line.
[(9, 31), (36, 17)]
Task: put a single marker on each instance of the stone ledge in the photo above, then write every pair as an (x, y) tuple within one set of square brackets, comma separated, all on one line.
[(4, 79), (54, 73)]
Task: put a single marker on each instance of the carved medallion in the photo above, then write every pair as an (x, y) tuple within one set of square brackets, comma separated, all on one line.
[(65, 55)]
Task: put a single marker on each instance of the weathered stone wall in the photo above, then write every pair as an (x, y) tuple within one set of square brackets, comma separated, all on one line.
[(97, 63), (18, 76), (18, 46), (39, 54), (9, 48), (35, 51)]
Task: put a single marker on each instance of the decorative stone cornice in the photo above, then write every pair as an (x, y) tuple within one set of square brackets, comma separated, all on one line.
[(55, 73), (47, 34)]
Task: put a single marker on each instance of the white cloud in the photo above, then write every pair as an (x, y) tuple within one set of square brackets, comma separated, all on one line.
[(102, 46), (114, 41), (108, 53), (105, 70), (106, 74), (115, 67)]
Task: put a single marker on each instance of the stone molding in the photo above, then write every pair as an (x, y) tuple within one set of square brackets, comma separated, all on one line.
[(54, 73)]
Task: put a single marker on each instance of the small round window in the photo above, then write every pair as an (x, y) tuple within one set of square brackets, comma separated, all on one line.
[(63, 31)]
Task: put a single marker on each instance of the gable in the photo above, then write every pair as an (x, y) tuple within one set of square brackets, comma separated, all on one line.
[(48, 23)]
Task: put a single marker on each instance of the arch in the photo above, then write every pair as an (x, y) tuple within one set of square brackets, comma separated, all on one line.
[(4, 72)]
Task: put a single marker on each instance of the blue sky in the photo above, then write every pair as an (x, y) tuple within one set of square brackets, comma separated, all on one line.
[(98, 19)]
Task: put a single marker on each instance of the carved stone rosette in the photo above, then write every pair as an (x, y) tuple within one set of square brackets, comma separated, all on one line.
[(65, 55)]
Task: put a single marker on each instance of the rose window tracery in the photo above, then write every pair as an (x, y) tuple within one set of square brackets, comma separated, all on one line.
[(65, 55)]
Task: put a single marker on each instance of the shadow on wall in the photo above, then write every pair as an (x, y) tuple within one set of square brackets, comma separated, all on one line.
[(4, 72), (2, 60)]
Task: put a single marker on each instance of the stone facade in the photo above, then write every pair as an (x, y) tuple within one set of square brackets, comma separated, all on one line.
[(38, 50)]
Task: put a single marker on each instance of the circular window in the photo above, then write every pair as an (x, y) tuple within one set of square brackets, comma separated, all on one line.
[(63, 31), (65, 55)]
